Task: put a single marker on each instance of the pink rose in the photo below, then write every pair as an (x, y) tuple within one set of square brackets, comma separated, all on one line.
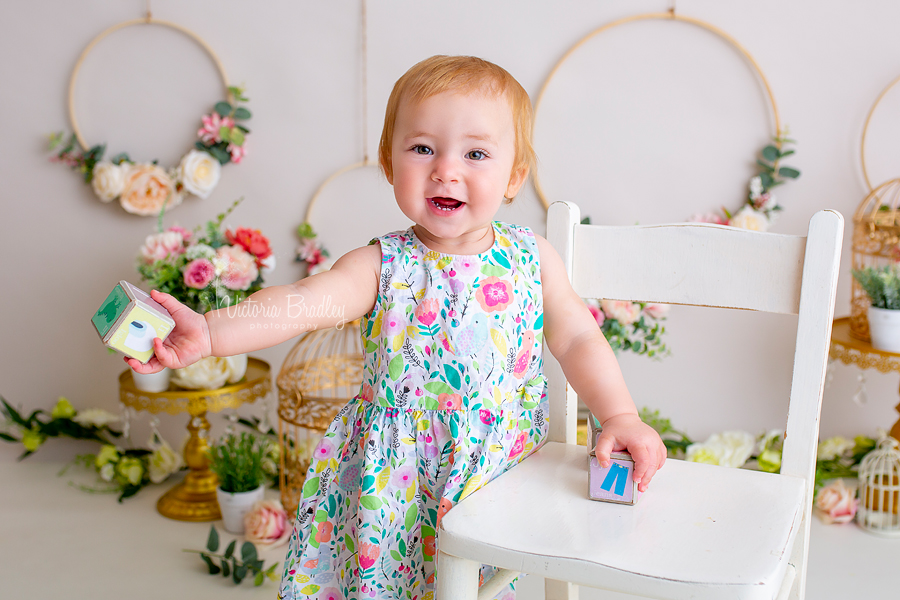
[(836, 503), (624, 312), (238, 270), (656, 311), (266, 522), (597, 314), (494, 294), (209, 133), (426, 312), (160, 246), (185, 233), (199, 273)]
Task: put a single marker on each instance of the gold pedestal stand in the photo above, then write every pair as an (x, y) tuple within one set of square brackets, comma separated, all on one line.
[(850, 350), (195, 498)]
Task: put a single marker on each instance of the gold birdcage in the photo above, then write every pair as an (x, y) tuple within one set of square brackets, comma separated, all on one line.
[(879, 489), (876, 231), (321, 374)]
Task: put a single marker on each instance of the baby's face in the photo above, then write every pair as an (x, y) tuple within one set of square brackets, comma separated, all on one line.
[(452, 158)]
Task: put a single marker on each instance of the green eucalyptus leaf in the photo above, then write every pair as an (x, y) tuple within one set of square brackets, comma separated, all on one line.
[(770, 153), (223, 108), (248, 552), (212, 543), (241, 113), (788, 172), (236, 136), (229, 551), (259, 579), (213, 568), (226, 570), (225, 133)]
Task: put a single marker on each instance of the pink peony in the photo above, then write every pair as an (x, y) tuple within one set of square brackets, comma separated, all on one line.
[(209, 133), (199, 273), (160, 246), (656, 311), (266, 522), (623, 311), (238, 268), (836, 503), (185, 233), (310, 252), (237, 153)]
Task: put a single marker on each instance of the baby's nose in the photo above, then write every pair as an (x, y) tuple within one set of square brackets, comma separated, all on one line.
[(445, 171)]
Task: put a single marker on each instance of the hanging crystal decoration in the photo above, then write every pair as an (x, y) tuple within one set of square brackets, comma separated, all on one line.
[(861, 397), (127, 414)]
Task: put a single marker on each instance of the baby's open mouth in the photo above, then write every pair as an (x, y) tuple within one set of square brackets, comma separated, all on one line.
[(445, 204)]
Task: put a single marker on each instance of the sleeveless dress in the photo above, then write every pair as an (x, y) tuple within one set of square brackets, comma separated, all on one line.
[(453, 395)]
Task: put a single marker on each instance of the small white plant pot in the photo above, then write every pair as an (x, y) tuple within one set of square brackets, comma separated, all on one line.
[(235, 506), (152, 382), (884, 329)]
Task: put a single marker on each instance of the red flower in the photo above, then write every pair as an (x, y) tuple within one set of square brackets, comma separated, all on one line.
[(251, 240)]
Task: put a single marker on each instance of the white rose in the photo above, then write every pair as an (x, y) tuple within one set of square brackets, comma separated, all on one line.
[(211, 373), (108, 180), (750, 219), (727, 449), (236, 366), (199, 173), (163, 462), (96, 417), (834, 447), (268, 264)]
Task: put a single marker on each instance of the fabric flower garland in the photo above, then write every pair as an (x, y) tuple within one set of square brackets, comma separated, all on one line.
[(146, 188)]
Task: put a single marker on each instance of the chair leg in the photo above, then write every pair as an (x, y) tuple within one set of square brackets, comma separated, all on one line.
[(457, 578), (560, 590)]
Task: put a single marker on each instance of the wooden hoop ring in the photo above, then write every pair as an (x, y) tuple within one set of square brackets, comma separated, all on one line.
[(862, 144), (114, 28), (331, 178), (668, 16)]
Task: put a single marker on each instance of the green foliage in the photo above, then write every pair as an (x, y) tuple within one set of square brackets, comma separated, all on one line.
[(881, 284), (676, 441), (644, 336), (249, 562), (846, 465), (238, 462)]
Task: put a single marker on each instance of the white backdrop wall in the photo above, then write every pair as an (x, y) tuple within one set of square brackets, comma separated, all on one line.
[(648, 123)]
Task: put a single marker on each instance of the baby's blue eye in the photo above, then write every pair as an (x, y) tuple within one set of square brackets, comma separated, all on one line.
[(422, 150), (476, 155)]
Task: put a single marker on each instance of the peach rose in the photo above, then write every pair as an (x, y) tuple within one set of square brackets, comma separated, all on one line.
[(836, 503), (624, 312), (147, 189), (236, 267), (266, 523), (656, 311), (159, 246)]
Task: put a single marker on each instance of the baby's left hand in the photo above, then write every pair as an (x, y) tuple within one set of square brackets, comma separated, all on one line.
[(628, 432)]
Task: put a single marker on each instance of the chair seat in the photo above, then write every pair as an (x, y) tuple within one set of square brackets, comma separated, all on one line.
[(722, 532)]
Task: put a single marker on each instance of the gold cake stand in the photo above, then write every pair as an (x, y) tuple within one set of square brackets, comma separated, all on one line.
[(850, 350), (195, 498)]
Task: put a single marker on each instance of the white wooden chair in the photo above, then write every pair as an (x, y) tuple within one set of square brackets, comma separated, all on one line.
[(701, 531)]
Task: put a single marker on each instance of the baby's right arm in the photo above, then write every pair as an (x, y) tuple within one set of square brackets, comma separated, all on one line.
[(270, 316)]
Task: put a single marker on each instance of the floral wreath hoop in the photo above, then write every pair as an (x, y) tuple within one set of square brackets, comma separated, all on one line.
[(146, 188), (862, 143), (757, 211)]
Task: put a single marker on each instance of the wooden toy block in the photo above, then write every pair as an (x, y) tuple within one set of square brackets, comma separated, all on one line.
[(129, 319), (614, 483)]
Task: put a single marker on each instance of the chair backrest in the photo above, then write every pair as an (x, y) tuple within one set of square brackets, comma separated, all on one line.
[(711, 265)]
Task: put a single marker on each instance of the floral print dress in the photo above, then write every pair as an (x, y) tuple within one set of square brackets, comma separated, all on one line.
[(453, 395)]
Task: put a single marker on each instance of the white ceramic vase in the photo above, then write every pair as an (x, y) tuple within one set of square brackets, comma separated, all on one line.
[(884, 329), (152, 382), (235, 506)]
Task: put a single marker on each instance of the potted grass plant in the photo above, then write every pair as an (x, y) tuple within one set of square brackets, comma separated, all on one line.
[(882, 286), (237, 460)]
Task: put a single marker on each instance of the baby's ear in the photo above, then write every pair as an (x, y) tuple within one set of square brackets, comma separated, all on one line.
[(516, 181)]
